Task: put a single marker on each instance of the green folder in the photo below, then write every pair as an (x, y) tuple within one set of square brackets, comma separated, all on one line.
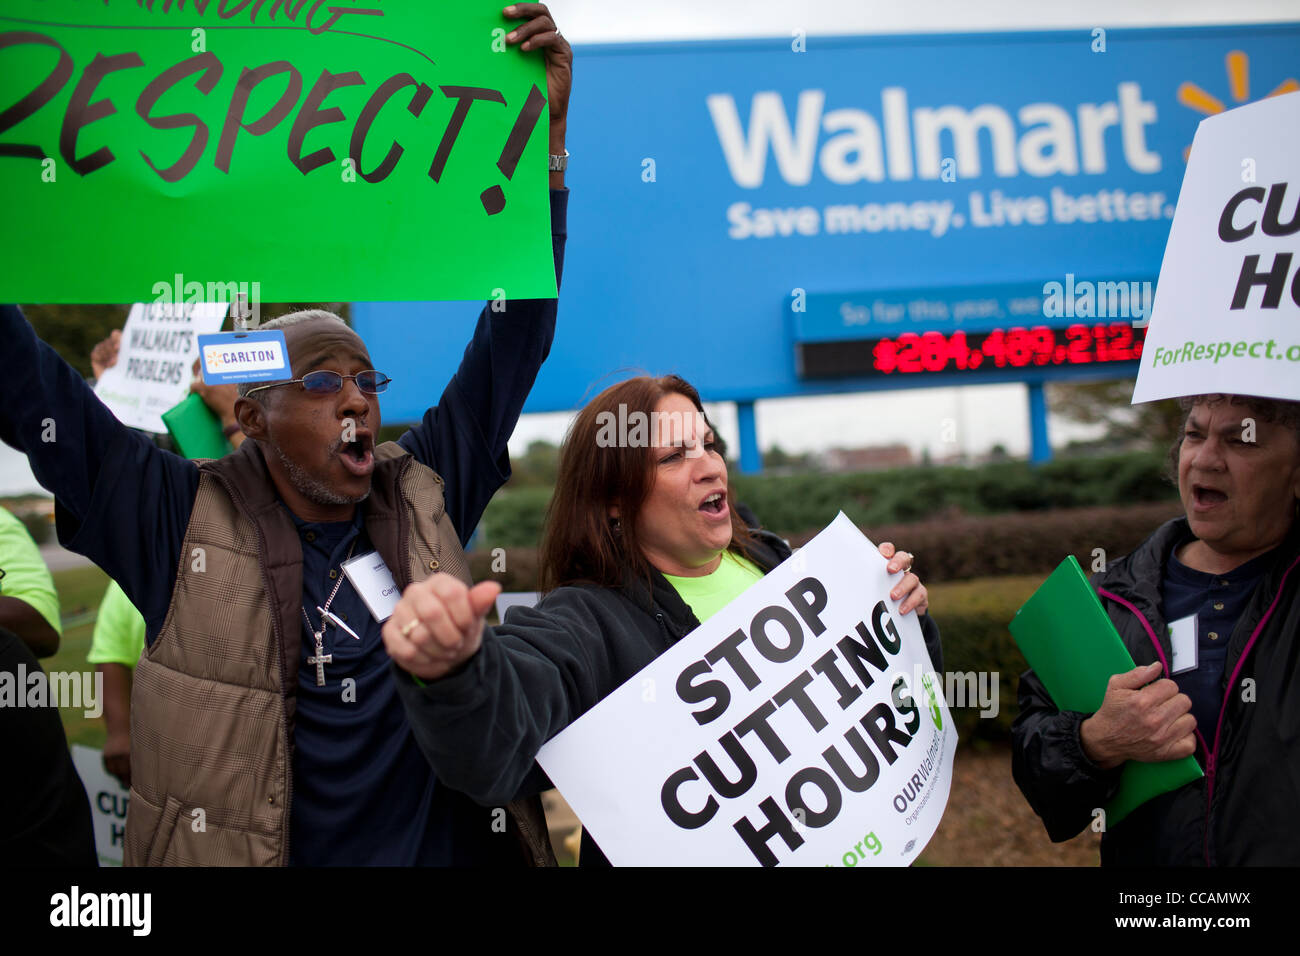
[(1074, 649), (196, 431)]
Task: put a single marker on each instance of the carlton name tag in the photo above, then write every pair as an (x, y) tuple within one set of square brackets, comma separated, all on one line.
[(374, 582), (232, 357)]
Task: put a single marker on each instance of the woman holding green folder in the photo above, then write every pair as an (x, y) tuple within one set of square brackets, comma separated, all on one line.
[(1207, 606)]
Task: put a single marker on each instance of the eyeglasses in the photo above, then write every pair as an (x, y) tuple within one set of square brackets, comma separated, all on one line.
[(325, 382)]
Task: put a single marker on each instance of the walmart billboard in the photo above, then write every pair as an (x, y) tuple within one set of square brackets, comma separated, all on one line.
[(739, 208)]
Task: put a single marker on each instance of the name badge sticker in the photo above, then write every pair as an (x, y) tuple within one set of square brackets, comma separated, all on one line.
[(1182, 638), (231, 357), (374, 582)]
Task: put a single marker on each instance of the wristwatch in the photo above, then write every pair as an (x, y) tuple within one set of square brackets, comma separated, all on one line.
[(559, 163)]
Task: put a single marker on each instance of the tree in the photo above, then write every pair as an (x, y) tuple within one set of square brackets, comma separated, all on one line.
[(537, 467), (1151, 425)]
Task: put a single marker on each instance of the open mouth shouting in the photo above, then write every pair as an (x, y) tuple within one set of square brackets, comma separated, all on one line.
[(358, 455), (1206, 498), (715, 505)]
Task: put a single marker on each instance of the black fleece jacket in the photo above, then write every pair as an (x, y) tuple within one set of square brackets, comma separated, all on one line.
[(481, 728), (1243, 811)]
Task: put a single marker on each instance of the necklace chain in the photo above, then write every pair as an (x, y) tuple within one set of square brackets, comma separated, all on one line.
[(328, 601)]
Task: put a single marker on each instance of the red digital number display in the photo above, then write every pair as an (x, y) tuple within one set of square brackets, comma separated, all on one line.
[(1014, 348)]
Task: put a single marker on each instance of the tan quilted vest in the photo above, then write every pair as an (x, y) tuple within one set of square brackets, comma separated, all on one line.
[(213, 698)]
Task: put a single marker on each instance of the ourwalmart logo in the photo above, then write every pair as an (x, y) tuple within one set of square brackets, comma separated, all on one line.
[(1238, 68)]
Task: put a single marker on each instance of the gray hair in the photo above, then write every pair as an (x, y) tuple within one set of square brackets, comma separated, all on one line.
[(284, 322), (1275, 411)]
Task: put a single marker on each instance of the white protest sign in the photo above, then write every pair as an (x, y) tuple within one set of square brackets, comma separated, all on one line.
[(108, 803), (159, 346), (793, 727), (1226, 316)]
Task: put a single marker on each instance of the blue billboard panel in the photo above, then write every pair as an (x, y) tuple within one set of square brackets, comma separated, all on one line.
[(715, 184)]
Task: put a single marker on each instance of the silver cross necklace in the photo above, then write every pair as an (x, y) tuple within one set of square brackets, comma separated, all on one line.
[(320, 658)]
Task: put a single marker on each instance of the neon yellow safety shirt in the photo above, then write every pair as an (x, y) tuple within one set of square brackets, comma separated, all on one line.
[(709, 594), (119, 630), (26, 576)]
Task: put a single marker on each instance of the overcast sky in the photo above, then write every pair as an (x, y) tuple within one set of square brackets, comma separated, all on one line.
[(983, 415)]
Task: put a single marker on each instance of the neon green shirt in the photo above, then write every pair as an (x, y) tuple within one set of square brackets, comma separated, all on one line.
[(708, 595), (26, 576), (119, 630)]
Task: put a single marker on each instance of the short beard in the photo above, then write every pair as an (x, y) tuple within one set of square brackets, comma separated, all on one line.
[(311, 488)]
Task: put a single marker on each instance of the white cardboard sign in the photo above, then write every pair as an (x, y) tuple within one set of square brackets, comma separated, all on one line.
[(153, 370), (794, 727), (1226, 316), (108, 804)]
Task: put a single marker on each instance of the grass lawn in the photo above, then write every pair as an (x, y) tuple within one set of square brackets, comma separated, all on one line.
[(80, 591)]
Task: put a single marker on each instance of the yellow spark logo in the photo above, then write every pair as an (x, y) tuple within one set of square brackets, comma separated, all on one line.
[(1238, 68)]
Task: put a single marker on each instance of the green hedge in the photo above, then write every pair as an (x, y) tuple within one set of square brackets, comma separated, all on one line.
[(947, 549), (38, 526), (796, 504), (972, 618), (960, 548)]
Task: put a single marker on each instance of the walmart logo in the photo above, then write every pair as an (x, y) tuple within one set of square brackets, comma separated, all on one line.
[(1238, 69)]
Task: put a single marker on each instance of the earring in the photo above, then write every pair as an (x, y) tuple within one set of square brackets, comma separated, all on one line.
[(616, 524)]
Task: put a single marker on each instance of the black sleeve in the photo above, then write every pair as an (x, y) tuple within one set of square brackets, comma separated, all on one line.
[(1048, 763), (464, 436), (481, 728), (930, 631), (120, 501)]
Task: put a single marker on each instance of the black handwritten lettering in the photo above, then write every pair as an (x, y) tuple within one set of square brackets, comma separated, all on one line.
[(82, 112), (211, 70), (465, 97), (367, 118), (248, 79), (311, 116), (38, 97)]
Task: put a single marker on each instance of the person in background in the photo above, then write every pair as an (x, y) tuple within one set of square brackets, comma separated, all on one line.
[(44, 811), (115, 647), (642, 543), (29, 605), (1222, 581)]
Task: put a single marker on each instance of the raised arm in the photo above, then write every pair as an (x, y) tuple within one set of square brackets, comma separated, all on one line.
[(120, 501), (464, 436)]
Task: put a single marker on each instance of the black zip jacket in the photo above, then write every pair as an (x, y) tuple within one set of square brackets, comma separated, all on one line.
[(481, 728), (1243, 811)]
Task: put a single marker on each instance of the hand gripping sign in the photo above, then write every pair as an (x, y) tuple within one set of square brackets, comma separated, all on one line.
[(799, 725), (1226, 316)]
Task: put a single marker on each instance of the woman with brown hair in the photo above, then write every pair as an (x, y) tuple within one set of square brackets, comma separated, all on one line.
[(642, 542)]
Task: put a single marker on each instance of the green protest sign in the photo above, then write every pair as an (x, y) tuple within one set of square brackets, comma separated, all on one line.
[(386, 151)]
